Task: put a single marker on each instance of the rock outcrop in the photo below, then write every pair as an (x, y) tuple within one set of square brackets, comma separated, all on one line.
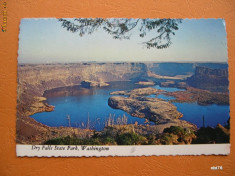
[(49, 76), (209, 79), (150, 108), (202, 97), (40, 106), (146, 83), (89, 84), (168, 84), (138, 92), (35, 79), (163, 113), (137, 104), (29, 131)]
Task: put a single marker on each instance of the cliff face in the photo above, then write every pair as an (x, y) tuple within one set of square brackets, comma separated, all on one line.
[(209, 79), (33, 80), (174, 69), (58, 75), (171, 69)]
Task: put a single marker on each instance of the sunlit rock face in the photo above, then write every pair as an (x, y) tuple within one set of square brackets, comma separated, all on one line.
[(150, 108), (33, 80), (48, 76), (210, 79)]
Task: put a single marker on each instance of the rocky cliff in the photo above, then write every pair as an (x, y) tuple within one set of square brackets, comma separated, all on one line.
[(210, 79), (48, 76), (34, 80)]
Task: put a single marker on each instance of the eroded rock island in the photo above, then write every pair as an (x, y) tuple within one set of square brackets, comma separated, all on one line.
[(136, 104), (89, 84)]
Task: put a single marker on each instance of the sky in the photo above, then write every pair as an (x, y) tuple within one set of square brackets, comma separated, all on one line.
[(45, 41)]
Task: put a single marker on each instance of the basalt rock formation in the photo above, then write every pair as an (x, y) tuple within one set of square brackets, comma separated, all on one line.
[(89, 84), (136, 104), (137, 92), (146, 83), (163, 113), (210, 79), (150, 108), (48, 76), (35, 79), (202, 97)]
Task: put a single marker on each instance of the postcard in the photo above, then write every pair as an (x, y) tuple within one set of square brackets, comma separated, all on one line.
[(122, 87)]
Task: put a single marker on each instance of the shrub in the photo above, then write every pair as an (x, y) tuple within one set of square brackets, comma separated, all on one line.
[(211, 135), (131, 139), (109, 140), (64, 141), (175, 130), (168, 139)]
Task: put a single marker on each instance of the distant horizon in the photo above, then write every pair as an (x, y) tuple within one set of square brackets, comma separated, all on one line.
[(183, 62), (45, 41)]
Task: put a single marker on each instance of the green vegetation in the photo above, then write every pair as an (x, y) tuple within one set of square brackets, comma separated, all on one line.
[(80, 141), (122, 28), (177, 135), (212, 135), (175, 130), (131, 139), (126, 135), (123, 139)]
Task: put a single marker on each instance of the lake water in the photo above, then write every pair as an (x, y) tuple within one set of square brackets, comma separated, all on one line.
[(82, 104), (213, 114)]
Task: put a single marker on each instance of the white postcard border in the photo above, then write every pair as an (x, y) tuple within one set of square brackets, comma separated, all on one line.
[(98, 151)]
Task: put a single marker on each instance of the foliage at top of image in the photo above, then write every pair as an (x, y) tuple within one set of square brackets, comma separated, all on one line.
[(122, 28)]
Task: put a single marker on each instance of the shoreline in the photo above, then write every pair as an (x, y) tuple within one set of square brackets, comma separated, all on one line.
[(34, 81), (51, 107)]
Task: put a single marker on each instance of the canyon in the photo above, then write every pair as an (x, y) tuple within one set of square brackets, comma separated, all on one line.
[(34, 80)]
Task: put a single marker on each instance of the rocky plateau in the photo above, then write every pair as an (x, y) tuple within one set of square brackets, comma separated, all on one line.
[(34, 80), (163, 113)]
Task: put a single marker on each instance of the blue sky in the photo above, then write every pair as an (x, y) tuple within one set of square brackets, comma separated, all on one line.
[(45, 41)]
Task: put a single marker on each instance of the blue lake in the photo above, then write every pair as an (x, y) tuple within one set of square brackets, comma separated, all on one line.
[(213, 114), (82, 104)]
